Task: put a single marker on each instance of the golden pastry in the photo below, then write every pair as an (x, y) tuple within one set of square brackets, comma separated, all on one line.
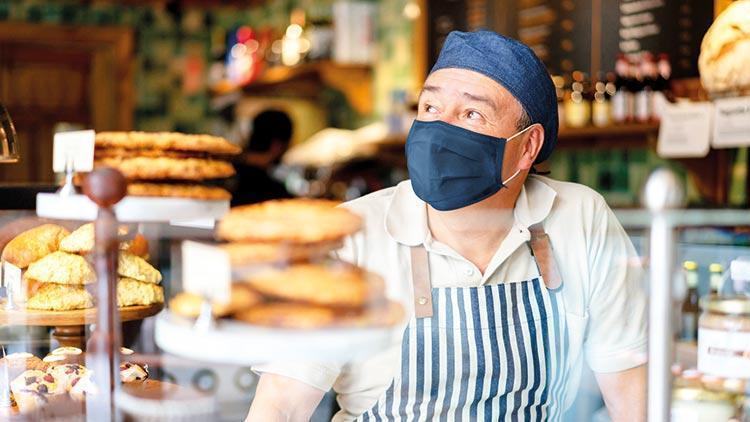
[(211, 193), (33, 244), (168, 141), (129, 153), (81, 241), (339, 285), (248, 254), (165, 168), (293, 220), (62, 268), (189, 304), (60, 297), (288, 315), (133, 292), (135, 267)]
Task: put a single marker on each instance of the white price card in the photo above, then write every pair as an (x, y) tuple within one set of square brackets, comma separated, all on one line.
[(685, 130), (206, 271), (732, 122), (76, 146), (12, 279)]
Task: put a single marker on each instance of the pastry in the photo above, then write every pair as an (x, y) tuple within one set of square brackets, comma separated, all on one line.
[(60, 297), (168, 141), (36, 380), (339, 285), (248, 254), (33, 244), (209, 193), (165, 168), (66, 350), (83, 387), (129, 153), (293, 220), (67, 375), (189, 304), (724, 60), (81, 241), (130, 372), (135, 267), (133, 292), (17, 363), (62, 268), (288, 315)]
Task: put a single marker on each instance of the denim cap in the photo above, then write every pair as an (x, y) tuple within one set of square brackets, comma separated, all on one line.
[(514, 66)]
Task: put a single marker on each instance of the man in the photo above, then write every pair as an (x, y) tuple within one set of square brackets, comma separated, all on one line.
[(495, 333), (272, 131)]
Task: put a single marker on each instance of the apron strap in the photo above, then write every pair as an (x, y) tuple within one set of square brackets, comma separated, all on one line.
[(541, 249), (420, 275)]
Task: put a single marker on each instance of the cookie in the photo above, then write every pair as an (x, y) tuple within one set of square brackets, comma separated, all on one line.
[(61, 268), (293, 220), (33, 244), (189, 305), (247, 254), (129, 153), (339, 285), (212, 193), (165, 168), (133, 292), (135, 267), (166, 141), (60, 297)]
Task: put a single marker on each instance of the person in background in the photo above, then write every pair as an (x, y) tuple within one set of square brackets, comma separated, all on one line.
[(269, 140)]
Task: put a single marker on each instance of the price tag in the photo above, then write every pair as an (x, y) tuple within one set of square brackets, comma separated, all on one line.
[(206, 271), (76, 146), (685, 130), (732, 122), (12, 279)]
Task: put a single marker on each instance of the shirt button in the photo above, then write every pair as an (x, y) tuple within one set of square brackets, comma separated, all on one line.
[(469, 271), (422, 300)]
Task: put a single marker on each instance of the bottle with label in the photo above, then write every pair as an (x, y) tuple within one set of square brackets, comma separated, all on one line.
[(620, 96), (635, 86), (715, 279), (601, 114), (577, 107), (661, 93), (690, 311)]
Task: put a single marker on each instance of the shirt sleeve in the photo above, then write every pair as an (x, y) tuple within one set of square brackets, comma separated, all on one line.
[(617, 338)]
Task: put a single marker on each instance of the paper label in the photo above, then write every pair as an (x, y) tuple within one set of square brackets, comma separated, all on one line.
[(685, 130), (732, 122), (724, 353), (76, 146), (206, 271), (12, 279)]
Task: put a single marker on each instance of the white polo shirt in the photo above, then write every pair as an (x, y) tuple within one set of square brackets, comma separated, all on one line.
[(603, 282)]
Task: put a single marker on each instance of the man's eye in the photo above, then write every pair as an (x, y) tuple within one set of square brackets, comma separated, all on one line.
[(473, 115), (430, 109)]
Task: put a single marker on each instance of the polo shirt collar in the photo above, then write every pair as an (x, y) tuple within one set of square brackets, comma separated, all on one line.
[(406, 215)]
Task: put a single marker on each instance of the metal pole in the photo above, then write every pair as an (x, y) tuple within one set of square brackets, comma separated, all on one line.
[(663, 192)]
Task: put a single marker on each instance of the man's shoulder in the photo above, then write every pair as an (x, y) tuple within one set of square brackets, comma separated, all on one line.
[(569, 194), (373, 203)]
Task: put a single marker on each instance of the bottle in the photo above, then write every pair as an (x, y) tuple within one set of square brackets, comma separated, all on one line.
[(601, 114), (577, 108), (559, 82), (715, 279), (647, 77), (662, 94), (689, 309), (635, 86), (620, 95)]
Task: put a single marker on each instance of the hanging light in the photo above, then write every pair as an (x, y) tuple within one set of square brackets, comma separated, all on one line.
[(8, 139)]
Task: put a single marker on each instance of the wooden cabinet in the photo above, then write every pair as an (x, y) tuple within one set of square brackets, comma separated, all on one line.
[(51, 74)]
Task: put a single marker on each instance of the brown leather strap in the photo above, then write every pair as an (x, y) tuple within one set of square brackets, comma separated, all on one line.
[(420, 275), (541, 248)]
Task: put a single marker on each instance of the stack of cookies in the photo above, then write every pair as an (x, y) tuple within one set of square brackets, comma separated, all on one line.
[(57, 273), (166, 163), (280, 253)]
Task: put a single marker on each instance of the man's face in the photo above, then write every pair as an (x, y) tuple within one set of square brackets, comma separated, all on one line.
[(474, 102)]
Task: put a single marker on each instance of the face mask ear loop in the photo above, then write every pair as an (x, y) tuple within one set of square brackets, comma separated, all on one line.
[(504, 184)]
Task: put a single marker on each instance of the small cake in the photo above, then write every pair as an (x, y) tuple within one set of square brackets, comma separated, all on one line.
[(82, 387), (131, 372), (68, 374)]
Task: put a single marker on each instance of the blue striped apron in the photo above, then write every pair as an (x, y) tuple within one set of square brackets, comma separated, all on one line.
[(486, 353)]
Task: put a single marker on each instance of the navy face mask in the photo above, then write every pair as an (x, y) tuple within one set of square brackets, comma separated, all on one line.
[(451, 167)]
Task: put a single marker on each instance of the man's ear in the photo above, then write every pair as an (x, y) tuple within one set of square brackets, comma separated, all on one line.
[(532, 146)]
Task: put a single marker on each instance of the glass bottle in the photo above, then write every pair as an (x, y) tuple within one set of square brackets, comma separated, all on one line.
[(690, 311)]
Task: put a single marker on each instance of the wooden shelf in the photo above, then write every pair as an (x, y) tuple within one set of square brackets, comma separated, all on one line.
[(307, 79), (615, 136)]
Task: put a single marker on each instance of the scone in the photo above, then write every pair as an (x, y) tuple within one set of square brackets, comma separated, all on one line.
[(288, 315), (189, 304), (244, 254), (33, 244), (133, 292), (340, 285), (60, 297), (61, 268), (291, 220), (81, 241), (165, 141), (167, 168), (135, 267)]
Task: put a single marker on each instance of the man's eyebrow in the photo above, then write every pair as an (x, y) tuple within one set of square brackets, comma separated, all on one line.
[(481, 99)]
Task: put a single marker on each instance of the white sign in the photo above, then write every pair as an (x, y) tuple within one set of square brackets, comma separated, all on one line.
[(685, 130), (206, 271), (76, 146), (732, 122), (12, 280)]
